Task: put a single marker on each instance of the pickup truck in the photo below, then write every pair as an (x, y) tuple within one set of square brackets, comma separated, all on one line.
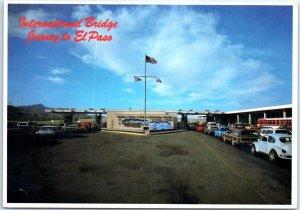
[(220, 130), (240, 136)]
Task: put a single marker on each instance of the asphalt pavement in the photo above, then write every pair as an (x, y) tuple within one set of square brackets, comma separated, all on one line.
[(176, 168)]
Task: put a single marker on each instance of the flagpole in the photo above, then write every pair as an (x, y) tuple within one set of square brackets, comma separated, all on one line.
[(145, 99)]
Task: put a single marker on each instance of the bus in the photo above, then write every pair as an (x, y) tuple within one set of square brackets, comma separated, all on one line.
[(275, 122)]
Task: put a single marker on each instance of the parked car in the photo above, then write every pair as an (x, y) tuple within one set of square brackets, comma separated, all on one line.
[(103, 125), (24, 124), (86, 125), (201, 127), (276, 145), (193, 126), (210, 128), (48, 130), (240, 125), (270, 130), (220, 130), (240, 136), (72, 127)]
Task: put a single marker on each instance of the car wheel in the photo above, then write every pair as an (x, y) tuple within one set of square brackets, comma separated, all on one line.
[(272, 156), (253, 150)]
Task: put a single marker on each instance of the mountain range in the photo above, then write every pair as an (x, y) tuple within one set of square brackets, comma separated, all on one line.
[(31, 112)]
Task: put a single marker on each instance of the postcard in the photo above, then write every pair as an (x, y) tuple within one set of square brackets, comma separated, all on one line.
[(150, 104)]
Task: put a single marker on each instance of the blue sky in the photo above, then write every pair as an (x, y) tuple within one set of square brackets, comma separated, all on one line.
[(208, 57)]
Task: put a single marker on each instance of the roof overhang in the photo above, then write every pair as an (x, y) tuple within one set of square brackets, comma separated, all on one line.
[(267, 108)]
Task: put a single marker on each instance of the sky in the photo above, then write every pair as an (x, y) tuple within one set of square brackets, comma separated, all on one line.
[(208, 57)]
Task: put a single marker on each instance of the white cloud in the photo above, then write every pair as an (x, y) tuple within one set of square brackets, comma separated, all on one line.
[(53, 75), (60, 71), (195, 61), (14, 26), (81, 11), (54, 79), (57, 80)]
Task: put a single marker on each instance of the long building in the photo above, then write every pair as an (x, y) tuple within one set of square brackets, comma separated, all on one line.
[(251, 115), (132, 119)]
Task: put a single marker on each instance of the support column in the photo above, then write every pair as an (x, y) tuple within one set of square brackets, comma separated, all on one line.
[(265, 114), (184, 121), (250, 119), (98, 120), (284, 113), (237, 118)]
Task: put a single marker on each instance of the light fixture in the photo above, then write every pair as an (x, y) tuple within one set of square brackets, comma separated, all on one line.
[(136, 79)]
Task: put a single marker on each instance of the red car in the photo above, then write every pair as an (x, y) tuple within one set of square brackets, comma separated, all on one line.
[(201, 128), (86, 125)]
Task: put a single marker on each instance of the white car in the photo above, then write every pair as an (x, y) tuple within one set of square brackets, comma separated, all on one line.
[(275, 145), (270, 130), (210, 128), (48, 130)]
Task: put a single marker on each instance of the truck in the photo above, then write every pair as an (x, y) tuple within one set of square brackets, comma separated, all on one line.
[(240, 136)]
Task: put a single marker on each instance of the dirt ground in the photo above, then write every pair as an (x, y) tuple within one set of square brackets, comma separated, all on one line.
[(177, 168)]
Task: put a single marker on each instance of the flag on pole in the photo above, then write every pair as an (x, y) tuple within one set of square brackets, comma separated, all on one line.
[(150, 60)]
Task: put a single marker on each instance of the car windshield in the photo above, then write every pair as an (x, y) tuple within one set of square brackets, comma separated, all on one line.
[(283, 131), (285, 139)]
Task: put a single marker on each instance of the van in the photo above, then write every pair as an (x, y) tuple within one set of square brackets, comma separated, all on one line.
[(24, 124)]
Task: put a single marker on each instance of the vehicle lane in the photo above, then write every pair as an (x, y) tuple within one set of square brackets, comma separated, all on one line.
[(242, 177), (214, 172), (271, 182)]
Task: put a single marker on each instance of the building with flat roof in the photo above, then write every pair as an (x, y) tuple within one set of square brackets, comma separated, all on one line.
[(252, 115), (134, 120)]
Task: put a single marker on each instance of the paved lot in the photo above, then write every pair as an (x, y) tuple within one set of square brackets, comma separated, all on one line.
[(185, 167)]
